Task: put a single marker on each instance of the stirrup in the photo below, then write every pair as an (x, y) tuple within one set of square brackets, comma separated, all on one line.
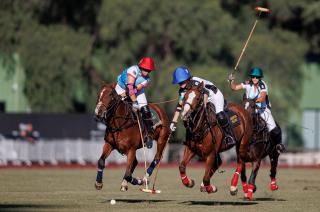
[(229, 140), (280, 148)]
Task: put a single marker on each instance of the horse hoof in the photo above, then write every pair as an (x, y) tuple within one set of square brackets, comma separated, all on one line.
[(124, 188), (202, 188), (191, 184), (245, 196), (140, 181), (98, 186), (233, 190)]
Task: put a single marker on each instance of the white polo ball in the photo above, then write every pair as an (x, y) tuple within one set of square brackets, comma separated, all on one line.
[(113, 201)]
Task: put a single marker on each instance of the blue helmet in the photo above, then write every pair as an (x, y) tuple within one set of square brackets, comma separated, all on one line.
[(180, 74)]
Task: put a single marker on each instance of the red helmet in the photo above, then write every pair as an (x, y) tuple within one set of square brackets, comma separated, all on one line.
[(147, 63)]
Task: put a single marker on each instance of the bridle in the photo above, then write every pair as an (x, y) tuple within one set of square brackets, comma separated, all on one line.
[(109, 115), (195, 116)]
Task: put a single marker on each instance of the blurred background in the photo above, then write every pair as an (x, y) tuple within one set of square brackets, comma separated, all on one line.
[(55, 54)]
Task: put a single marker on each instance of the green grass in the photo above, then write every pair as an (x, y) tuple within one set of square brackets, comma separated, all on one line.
[(73, 190)]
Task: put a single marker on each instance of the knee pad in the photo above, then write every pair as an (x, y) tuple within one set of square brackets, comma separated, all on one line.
[(222, 119)]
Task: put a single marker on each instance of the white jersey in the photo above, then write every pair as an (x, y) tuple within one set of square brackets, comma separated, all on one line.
[(253, 92), (214, 94)]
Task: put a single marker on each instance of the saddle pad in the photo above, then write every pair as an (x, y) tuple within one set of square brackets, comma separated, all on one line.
[(155, 116), (234, 119)]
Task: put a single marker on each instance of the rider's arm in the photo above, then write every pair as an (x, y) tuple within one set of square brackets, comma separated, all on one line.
[(143, 85), (132, 90), (177, 112), (262, 97), (235, 87)]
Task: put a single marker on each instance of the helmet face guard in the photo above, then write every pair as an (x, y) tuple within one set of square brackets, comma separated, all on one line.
[(256, 72), (180, 74), (147, 63)]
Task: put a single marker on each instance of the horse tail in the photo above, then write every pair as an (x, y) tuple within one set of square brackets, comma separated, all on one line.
[(164, 132)]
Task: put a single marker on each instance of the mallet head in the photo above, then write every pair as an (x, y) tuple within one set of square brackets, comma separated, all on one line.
[(262, 9)]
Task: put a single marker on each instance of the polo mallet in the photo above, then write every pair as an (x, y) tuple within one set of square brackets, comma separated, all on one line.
[(260, 10), (144, 151), (154, 191)]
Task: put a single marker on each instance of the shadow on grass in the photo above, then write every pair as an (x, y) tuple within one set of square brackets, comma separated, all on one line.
[(217, 203), (139, 200), (27, 207), (266, 199)]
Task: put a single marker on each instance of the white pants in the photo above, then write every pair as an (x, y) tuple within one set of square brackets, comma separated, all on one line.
[(267, 116), (216, 99), (141, 96)]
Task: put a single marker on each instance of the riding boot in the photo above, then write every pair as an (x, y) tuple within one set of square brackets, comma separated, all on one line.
[(276, 137), (148, 125), (227, 131)]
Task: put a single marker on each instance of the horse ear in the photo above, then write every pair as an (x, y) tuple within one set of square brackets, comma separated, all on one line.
[(200, 86)]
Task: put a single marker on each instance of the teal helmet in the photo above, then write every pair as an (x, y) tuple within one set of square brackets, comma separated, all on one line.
[(256, 72)]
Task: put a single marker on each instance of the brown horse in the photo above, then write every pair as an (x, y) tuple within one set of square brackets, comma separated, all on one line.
[(204, 136), (123, 134), (260, 146)]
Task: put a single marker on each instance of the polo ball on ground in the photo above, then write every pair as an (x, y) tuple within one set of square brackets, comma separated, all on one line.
[(112, 202)]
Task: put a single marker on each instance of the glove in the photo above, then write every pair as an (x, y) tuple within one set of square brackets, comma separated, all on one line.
[(173, 126), (231, 78), (135, 106)]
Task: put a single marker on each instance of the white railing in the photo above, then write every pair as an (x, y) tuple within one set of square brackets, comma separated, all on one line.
[(81, 151), (63, 151)]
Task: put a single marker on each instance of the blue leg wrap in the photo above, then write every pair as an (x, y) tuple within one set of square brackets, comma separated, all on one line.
[(99, 175), (152, 166), (134, 181)]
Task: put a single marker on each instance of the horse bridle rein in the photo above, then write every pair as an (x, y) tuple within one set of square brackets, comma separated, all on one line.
[(111, 109)]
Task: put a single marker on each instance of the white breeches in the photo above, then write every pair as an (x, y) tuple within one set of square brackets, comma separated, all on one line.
[(267, 116), (141, 96), (216, 99)]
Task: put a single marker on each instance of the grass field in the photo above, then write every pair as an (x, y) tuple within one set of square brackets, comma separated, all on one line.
[(73, 190)]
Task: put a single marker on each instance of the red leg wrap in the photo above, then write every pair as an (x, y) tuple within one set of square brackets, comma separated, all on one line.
[(209, 189), (273, 184), (250, 191), (235, 178), (245, 187), (185, 179)]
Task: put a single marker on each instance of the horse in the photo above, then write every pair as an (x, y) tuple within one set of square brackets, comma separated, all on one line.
[(123, 134), (204, 136), (259, 147)]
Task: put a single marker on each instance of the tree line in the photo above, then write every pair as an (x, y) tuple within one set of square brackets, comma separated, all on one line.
[(68, 47)]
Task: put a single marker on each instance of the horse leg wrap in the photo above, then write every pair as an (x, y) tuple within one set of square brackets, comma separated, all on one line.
[(99, 175), (245, 187), (235, 178), (101, 163), (152, 166), (135, 181), (185, 179), (250, 191), (210, 189), (273, 184)]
